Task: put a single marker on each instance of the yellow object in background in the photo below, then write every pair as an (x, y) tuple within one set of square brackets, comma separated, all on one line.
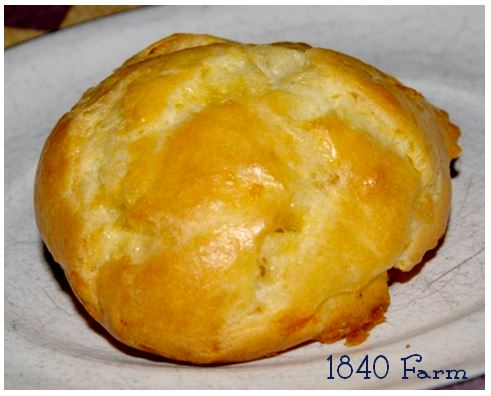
[(23, 23)]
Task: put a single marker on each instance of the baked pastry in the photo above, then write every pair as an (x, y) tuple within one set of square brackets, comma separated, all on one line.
[(213, 201)]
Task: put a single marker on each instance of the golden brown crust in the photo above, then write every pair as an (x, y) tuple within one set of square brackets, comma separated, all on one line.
[(366, 309), (213, 201)]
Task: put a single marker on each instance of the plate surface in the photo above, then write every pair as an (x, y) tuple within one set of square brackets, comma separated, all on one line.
[(49, 340)]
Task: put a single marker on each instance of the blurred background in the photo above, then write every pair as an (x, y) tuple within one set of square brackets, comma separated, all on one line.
[(23, 23)]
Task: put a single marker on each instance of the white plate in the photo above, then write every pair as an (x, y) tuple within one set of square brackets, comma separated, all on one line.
[(49, 340)]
